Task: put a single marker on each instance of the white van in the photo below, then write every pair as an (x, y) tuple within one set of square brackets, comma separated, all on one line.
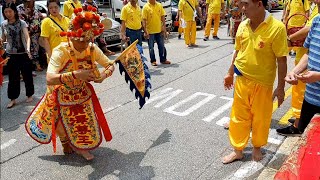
[(166, 4)]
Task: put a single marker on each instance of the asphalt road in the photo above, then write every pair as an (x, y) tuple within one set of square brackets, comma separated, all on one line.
[(177, 135)]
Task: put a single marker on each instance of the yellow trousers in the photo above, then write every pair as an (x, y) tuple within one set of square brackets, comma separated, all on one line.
[(190, 33), (251, 111), (299, 89), (180, 30), (216, 18)]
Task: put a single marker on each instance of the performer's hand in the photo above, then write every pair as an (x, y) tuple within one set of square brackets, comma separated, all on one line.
[(279, 93), (110, 69), (228, 82), (291, 78), (85, 75), (309, 77)]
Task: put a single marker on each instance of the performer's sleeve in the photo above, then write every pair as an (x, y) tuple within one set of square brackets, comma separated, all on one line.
[(101, 58), (58, 57)]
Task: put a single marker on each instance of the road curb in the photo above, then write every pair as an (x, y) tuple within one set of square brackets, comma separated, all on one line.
[(275, 163)]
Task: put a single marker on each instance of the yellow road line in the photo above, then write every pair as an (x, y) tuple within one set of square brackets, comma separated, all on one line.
[(287, 94), (286, 117)]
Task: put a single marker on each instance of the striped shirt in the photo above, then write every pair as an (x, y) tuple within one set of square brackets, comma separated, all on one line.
[(312, 42)]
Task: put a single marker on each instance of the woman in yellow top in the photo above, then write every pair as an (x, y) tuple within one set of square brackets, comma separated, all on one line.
[(52, 26), (69, 6)]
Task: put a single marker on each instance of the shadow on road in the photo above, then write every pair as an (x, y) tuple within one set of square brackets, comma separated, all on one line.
[(113, 162)]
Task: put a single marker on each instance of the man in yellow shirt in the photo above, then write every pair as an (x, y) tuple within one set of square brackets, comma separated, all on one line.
[(261, 46), (131, 20), (154, 29), (213, 8), (180, 28), (297, 7), (189, 8), (299, 89), (69, 6)]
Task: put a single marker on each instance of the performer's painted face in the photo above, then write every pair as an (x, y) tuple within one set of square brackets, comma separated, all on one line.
[(80, 45)]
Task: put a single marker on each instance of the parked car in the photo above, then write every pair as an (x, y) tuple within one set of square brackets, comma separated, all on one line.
[(174, 12)]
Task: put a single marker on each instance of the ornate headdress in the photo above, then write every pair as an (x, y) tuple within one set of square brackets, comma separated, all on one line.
[(85, 24)]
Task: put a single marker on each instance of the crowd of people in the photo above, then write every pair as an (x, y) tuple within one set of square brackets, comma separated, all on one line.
[(261, 48)]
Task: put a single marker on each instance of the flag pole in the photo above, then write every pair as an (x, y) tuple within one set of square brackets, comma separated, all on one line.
[(124, 52)]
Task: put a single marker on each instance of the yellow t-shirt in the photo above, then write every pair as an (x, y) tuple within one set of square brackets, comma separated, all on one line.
[(152, 14), (314, 13), (132, 16), (258, 50), (68, 8), (296, 7), (60, 56), (52, 31), (214, 6), (301, 50), (187, 11)]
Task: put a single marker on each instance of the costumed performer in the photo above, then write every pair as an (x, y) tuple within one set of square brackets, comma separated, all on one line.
[(70, 107)]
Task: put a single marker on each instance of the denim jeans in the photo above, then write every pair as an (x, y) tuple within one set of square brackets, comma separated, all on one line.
[(134, 35), (158, 38)]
